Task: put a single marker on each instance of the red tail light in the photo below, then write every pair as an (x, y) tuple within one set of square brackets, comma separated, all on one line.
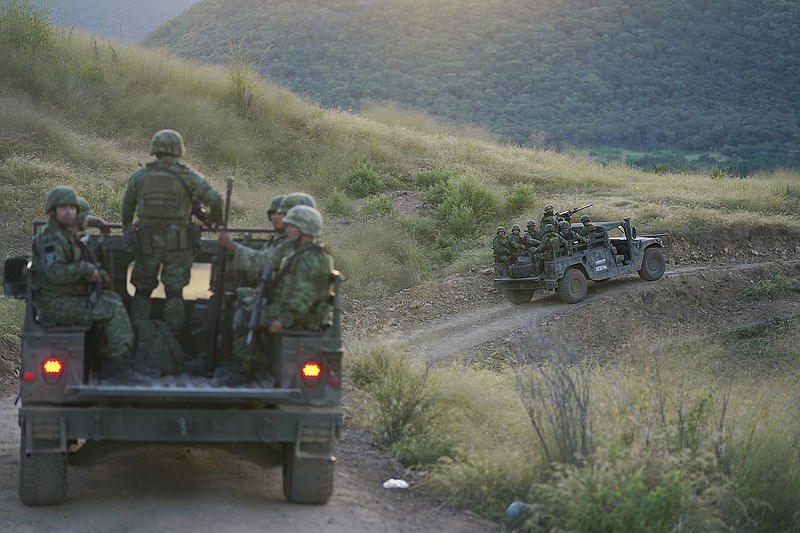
[(311, 373), (52, 370)]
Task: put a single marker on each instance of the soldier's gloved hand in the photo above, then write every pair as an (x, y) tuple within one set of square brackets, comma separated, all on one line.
[(106, 279), (95, 276), (275, 326)]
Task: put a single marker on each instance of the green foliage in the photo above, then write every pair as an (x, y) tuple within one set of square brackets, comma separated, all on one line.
[(435, 193), (432, 177), (243, 79), (421, 228), (467, 204), (379, 205), (362, 180), (521, 198), (337, 204), (776, 287), (23, 23), (91, 72)]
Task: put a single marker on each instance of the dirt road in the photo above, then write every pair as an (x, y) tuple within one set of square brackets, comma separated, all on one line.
[(183, 489)]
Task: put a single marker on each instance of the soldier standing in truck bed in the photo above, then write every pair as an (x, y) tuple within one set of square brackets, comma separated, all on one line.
[(549, 216), (163, 194)]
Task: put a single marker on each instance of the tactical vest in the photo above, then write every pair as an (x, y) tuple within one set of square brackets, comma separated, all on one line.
[(320, 315), (163, 196)]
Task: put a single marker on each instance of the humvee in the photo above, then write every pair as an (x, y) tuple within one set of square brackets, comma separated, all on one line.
[(612, 249), (289, 416)]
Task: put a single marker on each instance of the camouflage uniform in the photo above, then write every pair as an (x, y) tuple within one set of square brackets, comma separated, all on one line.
[(516, 244), (62, 293), (568, 234), (302, 293), (501, 252), (532, 237), (546, 250), (549, 216), (162, 194)]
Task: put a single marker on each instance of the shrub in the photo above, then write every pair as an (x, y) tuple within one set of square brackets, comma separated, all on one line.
[(379, 205), (337, 204), (521, 198), (421, 228), (431, 178), (362, 180), (23, 23), (467, 204), (434, 195)]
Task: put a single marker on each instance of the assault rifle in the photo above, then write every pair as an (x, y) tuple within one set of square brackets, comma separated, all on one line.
[(569, 212), (219, 286), (266, 270), (88, 253)]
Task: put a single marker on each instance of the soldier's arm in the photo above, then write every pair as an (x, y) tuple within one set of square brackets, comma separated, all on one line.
[(54, 264), (209, 196), (128, 204)]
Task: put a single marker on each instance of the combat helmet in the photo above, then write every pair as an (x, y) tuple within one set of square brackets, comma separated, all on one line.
[(564, 224), (548, 208), (274, 205), (530, 223), (83, 211), (60, 195), (296, 198), (585, 219), (548, 228), (515, 227), (500, 228), (307, 219), (168, 142)]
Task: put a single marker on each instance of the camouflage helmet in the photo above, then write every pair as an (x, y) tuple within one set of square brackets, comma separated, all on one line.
[(530, 223), (564, 224), (83, 211), (60, 195), (585, 219), (500, 228), (307, 219), (548, 228), (296, 198), (548, 208), (515, 227), (167, 142), (274, 205)]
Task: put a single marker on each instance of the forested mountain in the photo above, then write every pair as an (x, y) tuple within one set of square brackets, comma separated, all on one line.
[(119, 19), (714, 77)]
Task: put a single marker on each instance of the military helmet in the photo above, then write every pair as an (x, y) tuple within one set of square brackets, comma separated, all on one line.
[(515, 227), (500, 228), (564, 224), (83, 211), (585, 218), (548, 208), (274, 205), (60, 195), (296, 198), (307, 219), (548, 228), (530, 223), (167, 142)]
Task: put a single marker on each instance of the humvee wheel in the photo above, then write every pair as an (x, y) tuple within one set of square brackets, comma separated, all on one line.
[(653, 264), (519, 297), (572, 287), (42, 476), (308, 479)]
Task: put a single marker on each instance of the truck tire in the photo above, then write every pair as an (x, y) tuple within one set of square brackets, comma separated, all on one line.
[(308, 480), (42, 477), (519, 297), (572, 287), (653, 264)]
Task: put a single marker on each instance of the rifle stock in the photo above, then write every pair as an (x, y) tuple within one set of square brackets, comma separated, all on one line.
[(219, 286)]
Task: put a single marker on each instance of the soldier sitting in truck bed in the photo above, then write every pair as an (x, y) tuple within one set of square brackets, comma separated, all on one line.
[(549, 247)]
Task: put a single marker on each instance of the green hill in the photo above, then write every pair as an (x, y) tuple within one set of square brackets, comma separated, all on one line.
[(716, 81)]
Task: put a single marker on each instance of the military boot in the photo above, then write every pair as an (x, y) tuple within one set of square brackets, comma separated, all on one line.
[(140, 308)]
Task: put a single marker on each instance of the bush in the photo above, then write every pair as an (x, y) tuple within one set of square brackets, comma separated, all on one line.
[(421, 228), (467, 204), (434, 195), (362, 181), (379, 205), (431, 178), (337, 204), (22, 23), (521, 198)]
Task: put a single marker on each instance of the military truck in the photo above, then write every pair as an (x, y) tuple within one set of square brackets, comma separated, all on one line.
[(612, 249), (289, 416)]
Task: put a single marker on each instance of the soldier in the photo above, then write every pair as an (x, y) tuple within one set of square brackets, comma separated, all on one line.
[(501, 251), (66, 287), (549, 216), (568, 234), (548, 247), (302, 293), (251, 261), (532, 236), (516, 244), (163, 194)]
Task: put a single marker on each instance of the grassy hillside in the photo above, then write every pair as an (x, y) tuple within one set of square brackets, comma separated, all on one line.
[(80, 111), (680, 82), (117, 19)]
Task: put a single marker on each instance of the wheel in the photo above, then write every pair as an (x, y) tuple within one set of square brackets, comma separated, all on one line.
[(520, 297), (42, 476), (653, 264), (572, 287), (308, 479)]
